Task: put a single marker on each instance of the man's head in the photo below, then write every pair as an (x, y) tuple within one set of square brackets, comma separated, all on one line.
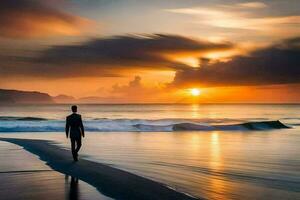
[(74, 108)]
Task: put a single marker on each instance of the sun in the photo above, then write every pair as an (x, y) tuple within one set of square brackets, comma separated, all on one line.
[(195, 92)]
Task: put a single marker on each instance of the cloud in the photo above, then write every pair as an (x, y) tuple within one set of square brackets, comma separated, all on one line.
[(112, 56), (278, 64), (36, 18), (242, 16), (140, 50), (254, 5), (136, 91), (132, 92), (133, 86)]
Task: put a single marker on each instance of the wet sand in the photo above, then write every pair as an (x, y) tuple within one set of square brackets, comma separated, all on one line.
[(109, 181), (24, 176)]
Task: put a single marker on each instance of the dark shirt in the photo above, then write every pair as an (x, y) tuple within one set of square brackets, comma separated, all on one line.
[(74, 126)]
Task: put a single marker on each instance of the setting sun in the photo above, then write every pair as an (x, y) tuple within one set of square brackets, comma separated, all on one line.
[(195, 91)]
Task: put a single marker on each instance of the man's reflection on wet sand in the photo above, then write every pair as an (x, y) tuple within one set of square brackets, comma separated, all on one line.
[(73, 190)]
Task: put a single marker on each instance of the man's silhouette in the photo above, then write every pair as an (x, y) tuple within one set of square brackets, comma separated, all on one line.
[(74, 127)]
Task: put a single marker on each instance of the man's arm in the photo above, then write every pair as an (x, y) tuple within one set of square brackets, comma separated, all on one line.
[(81, 127), (67, 129)]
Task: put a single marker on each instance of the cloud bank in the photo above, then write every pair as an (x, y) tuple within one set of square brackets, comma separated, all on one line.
[(36, 18), (278, 64), (109, 57), (141, 50), (253, 17), (124, 55)]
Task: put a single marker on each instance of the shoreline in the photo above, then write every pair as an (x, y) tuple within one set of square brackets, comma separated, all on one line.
[(112, 182), (25, 176)]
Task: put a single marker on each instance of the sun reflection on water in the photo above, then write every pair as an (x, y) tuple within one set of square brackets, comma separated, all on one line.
[(217, 183), (195, 111), (215, 157)]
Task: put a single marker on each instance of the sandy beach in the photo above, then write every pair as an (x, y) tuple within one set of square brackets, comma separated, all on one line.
[(24, 176), (109, 181)]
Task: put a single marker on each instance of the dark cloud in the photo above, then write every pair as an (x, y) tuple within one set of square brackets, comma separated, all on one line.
[(278, 64), (111, 56), (143, 51), (36, 18)]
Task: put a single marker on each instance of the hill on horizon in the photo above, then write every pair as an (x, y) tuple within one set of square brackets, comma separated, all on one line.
[(24, 97)]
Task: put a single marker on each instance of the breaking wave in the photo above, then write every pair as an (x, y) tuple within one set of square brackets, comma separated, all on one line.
[(35, 124)]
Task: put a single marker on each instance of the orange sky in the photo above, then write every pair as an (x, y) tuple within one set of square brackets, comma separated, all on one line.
[(153, 52)]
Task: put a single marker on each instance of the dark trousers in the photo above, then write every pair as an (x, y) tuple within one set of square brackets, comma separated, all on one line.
[(75, 146)]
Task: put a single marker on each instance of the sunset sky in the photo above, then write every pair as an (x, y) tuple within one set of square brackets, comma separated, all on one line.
[(138, 51)]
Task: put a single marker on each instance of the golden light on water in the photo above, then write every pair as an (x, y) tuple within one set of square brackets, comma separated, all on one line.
[(217, 184)]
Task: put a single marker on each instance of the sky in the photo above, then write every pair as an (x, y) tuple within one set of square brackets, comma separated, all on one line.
[(158, 51)]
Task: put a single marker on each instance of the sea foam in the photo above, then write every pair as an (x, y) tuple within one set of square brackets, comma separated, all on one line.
[(34, 124)]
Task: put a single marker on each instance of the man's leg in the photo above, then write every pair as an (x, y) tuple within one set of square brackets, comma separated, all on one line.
[(74, 153), (78, 141)]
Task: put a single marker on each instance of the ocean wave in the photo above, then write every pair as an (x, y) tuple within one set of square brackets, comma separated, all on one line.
[(262, 125), (32, 124)]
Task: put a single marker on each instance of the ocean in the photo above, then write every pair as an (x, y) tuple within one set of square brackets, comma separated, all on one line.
[(223, 151)]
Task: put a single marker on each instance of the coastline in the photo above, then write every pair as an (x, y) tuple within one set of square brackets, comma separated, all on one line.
[(24, 176), (112, 182)]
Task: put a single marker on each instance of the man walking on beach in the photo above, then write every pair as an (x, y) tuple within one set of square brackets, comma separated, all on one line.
[(74, 127)]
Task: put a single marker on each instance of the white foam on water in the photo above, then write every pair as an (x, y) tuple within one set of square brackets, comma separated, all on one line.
[(30, 124)]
